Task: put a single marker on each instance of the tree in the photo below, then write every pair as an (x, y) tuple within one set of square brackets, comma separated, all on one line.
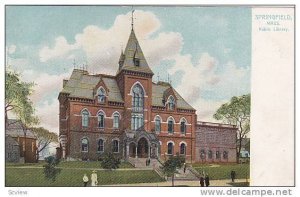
[(17, 101), (109, 161), (50, 169), (170, 166), (44, 138), (237, 112)]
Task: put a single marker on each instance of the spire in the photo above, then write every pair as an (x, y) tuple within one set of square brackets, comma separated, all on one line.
[(132, 19), (133, 58)]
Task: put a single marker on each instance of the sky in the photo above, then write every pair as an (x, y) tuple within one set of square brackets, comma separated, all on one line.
[(206, 51)]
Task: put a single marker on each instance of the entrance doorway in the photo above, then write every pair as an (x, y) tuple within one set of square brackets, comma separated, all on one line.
[(143, 148)]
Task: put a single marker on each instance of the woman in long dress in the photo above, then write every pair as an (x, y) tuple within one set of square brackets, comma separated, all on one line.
[(94, 179)]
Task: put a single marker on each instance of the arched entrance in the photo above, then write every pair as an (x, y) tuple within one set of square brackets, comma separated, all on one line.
[(143, 148), (132, 149)]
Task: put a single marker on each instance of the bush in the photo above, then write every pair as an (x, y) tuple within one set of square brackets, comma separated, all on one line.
[(50, 170), (109, 161)]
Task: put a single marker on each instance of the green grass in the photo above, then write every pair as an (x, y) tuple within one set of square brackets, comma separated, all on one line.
[(34, 177), (222, 171), (69, 164)]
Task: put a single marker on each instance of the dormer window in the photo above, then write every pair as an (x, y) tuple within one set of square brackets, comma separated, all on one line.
[(136, 61), (101, 95), (171, 103)]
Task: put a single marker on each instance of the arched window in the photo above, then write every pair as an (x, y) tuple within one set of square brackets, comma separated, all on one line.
[(137, 116), (116, 120), (85, 118), (170, 148), (138, 98), (182, 149), (217, 155), (225, 155), (157, 123), (210, 154), (183, 126), (100, 145), (115, 146), (101, 119), (84, 145), (170, 125), (171, 103), (202, 154), (101, 95)]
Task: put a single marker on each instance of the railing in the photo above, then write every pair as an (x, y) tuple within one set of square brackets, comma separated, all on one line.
[(194, 172)]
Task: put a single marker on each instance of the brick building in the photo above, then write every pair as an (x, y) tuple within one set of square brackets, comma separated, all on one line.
[(25, 140), (127, 114)]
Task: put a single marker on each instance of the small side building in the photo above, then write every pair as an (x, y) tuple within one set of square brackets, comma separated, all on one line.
[(12, 149), (215, 143), (25, 139)]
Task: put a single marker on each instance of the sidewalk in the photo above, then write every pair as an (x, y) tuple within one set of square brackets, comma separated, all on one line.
[(213, 183)]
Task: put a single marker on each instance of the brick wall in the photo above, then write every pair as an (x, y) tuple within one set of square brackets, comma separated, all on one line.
[(215, 138)]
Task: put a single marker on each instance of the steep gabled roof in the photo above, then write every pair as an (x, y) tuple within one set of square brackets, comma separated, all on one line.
[(133, 50), (15, 129)]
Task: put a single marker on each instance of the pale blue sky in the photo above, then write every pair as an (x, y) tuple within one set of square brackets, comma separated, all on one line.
[(224, 33)]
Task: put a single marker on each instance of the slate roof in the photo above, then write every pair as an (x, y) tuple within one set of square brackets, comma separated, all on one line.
[(82, 85), (15, 129), (132, 50), (158, 90)]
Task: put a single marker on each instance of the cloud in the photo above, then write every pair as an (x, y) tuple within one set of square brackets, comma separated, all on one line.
[(61, 48)]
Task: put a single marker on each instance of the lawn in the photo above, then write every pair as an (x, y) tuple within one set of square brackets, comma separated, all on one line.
[(222, 171), (34, 177), (69, 164)]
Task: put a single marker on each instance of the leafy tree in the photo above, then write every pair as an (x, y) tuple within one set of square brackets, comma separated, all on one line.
[(44, 138), (110, 162), (17, 99), (236, 112), (50, 169), (170, 166)]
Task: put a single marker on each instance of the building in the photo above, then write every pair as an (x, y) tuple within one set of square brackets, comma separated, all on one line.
[(24, 138), (127, 114), (12, 149), (215, 143)]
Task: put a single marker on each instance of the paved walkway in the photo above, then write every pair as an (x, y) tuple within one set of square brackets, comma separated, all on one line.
[(72, 168), (225, 182)]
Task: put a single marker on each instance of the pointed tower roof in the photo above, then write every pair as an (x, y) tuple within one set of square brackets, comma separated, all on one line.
[(133, 58)]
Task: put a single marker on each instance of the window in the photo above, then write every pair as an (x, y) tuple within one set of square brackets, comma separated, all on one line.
[(202, 154), (157, 124), (136, 61), (170, 148), (101, 95), (100, 145), (84, 145), (116, 121), (85, 118), (101, 120), (182, 126), (182, 149), (210, 154), (217, 155), (137, 116), (225, 155), (115, 146), (171, 103), (170, 125)]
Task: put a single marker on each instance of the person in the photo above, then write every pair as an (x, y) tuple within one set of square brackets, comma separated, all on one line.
[(232, 175), (149, 161), (184, 167), (94, 179), (85, 180), (201, 181), (206, 180)]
